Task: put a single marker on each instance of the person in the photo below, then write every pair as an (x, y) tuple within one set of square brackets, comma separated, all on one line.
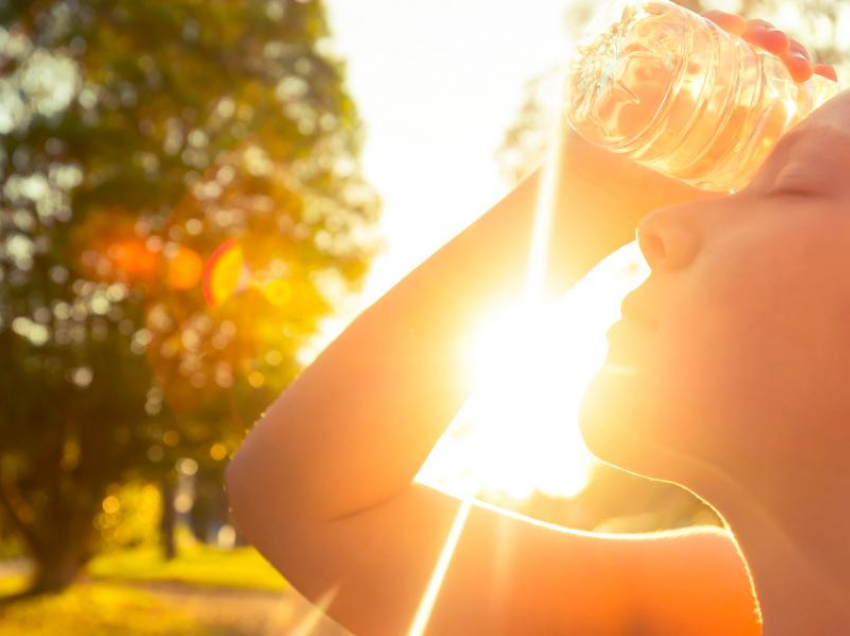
[(737, 349)]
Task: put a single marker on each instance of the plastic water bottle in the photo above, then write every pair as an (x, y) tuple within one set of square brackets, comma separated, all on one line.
[(679, 94)]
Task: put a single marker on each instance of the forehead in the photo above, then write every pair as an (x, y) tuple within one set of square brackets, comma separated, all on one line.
[(824, 134), (832, 117)]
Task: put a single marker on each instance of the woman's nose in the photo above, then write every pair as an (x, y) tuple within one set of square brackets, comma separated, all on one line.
[(669, 238)]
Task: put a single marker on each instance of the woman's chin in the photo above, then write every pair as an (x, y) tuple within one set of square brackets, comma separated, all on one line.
[(610, 415), (639, 420)]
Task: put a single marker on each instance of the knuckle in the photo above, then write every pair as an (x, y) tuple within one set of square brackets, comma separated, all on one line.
[(795, 46), (758, 24)]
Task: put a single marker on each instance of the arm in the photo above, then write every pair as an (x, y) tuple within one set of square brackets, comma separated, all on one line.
[(376, 400), (323, 484)]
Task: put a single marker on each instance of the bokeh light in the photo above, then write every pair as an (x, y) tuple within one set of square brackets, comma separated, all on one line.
[(184, 268)]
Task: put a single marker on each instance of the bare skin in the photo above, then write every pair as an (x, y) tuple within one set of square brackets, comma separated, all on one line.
[(323, 484), (737, 345)]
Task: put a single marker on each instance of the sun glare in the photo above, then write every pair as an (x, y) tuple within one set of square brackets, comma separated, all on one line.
[(518, 432), (426, 605), (531, 362)]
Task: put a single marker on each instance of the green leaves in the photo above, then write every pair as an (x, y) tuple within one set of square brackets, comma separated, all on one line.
[(138, 138)]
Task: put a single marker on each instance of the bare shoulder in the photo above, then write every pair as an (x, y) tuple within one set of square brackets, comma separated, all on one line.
[(506, 574), (694, 581), (526, 577)]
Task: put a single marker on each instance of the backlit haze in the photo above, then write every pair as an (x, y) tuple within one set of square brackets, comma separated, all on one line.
[(436, 102)]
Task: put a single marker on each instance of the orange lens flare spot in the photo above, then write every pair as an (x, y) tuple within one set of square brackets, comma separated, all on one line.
[(184, 269), (225, 273), (133, 260)]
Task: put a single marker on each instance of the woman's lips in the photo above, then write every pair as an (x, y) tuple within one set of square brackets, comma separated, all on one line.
[(634, 310), (627, 342), (620, 331)]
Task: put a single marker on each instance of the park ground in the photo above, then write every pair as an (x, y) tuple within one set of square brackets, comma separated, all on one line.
[(204, 592)]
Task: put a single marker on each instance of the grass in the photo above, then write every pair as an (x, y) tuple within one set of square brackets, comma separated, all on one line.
[(195, 565), (100, 609), (10, 585), (106, 602)]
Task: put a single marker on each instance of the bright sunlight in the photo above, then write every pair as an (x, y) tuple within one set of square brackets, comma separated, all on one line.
[(518, 433)]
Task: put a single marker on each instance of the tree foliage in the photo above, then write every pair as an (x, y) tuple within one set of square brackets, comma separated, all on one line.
[(152, 152)]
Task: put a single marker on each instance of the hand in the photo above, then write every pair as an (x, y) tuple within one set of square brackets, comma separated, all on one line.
[(763, 34)]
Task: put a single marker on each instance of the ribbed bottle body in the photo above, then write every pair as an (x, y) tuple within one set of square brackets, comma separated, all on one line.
[(679, 94)]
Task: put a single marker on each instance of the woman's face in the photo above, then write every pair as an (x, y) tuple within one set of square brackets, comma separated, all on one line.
[(736, 350)]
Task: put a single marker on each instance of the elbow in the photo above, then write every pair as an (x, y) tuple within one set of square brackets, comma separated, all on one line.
[(237, 487), (232, 479), (264, 493), (260, 512), (255, 504)]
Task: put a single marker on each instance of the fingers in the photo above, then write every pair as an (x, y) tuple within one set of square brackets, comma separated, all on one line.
[(735, 24), (764, 35), (827, 70), (799, 61)]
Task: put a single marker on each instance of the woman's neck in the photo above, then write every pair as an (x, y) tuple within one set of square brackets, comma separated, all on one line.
[(797, 548)]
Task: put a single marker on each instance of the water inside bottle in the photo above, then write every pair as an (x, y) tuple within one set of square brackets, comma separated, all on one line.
[(679, 94)]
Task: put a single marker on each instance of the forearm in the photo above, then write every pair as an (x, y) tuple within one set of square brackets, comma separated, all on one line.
[(357, 425)]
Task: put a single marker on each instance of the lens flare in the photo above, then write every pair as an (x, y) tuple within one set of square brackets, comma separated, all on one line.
[(228, 274), (510, 428), (426, 605), (225, 273), (313, 619)]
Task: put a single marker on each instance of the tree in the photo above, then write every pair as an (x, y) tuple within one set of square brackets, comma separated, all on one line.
[(181, 205), (615, 500)]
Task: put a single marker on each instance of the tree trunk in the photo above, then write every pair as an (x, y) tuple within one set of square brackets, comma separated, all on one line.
[(166, 521), (59, 544), (57, 569), (59, 561)]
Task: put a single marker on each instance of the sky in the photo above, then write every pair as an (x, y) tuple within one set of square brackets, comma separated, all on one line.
[(437, 84)]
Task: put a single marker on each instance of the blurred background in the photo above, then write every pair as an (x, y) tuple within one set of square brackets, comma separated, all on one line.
[(195, 198)]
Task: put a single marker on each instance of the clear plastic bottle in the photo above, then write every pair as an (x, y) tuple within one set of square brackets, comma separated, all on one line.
[(679, 94)]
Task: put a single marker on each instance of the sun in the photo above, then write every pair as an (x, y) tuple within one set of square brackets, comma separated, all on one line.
[(518, 432)]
